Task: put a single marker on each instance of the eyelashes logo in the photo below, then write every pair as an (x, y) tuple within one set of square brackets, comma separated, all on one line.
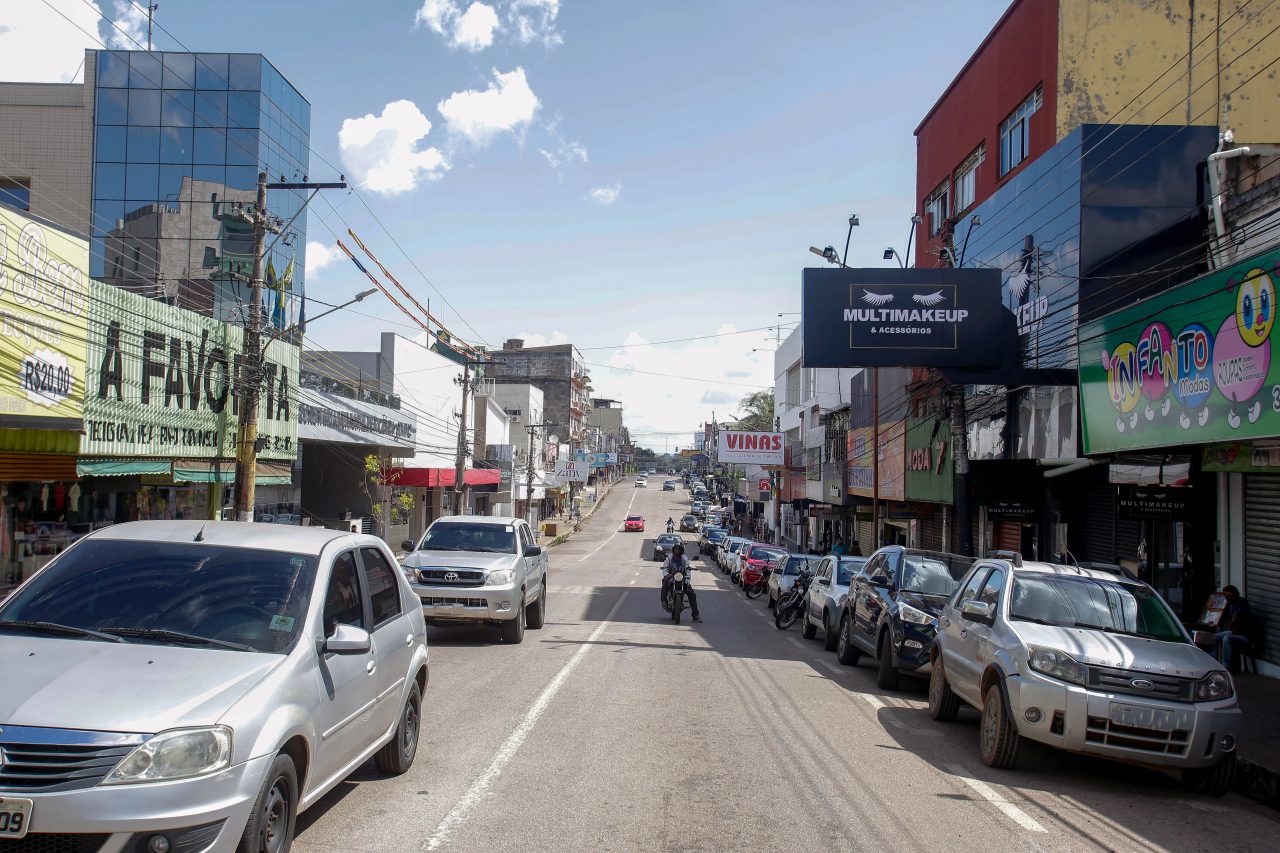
[(929, 299), (876, 298), (1020, 281)]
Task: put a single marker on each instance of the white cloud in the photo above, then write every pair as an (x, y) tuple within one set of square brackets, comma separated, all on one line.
[(561, 152), (535, 340), (535, 20), (320, 256), (381, 152), (605, 195), (38, 45), (472, 29), (507, 105), (130, 30)]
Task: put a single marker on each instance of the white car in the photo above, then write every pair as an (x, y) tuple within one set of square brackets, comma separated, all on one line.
[(827, 595), (641, 482)]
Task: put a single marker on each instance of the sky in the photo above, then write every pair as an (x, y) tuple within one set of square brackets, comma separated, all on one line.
[(611, 174)]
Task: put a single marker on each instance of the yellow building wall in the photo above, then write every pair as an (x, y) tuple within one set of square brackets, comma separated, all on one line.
[(1169, 62)]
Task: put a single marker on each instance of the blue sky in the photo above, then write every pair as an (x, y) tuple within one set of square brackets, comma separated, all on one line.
[(604, 172)]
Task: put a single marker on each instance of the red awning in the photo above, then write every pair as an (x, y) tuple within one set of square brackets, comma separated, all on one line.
[(431, 478)]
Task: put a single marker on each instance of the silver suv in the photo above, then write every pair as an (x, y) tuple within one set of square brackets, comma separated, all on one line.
[(479, 569), (188, 685), (1085, 661)]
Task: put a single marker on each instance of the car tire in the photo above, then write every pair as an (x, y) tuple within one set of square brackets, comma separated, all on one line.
[(998, 738), (846, 652), (275, 814), (535, 616), (1211, 781), (810, 630), (397, 756), (513, 629), (887, 676), (944, 704)]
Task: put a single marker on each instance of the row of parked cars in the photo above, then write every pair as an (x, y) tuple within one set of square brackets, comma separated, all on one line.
[(1080, 659)]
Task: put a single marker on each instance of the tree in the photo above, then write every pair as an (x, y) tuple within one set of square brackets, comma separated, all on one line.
[(758, 409)]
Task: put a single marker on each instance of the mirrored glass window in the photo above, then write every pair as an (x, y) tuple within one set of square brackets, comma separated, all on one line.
[(141, 181), (144, 70), (108, 146), (108, 180), (113, 106), (211, 109), (242, 147), (113, 68), (144, 144), (245, 72), (144, 107), (179, 71), (170, 188), (176, 144), (242, 178), (178, 109), (211, 71), (210, 146), (242, 109), (106, 216)]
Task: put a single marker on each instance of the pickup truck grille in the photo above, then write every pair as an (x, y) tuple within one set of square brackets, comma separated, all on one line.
[(1102, 731), (1166, 687), (442, 601), (36, 764), (451, 577)]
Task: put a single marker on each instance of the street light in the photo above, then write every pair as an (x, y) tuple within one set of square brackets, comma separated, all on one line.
[(359, 297), (891, 253), (973, 221), (915, 220), (828, 254)]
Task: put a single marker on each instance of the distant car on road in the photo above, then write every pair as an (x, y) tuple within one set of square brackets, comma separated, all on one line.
[(689, 523), (641, 482), (664, 543), (668, 486), (633, 522)]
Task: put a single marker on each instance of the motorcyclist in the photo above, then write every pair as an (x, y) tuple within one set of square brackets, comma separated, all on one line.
[(677, 563), (671, 525)]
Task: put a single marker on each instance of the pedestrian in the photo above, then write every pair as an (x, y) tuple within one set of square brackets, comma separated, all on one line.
[(840, 550), (1236, 625)]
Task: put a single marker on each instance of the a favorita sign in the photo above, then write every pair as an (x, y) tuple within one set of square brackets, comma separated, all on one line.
[(43, 310), (751, 448), (163, 382), (901, 318)]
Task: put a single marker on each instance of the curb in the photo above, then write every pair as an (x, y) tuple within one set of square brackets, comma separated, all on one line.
[(1257, 782)]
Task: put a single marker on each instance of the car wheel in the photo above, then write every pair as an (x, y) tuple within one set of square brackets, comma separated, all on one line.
[(845, 651), (1211, 781), (829, 637), (271, 823), (513, 629), (809, 631), (535, 616), (944, 704), (397, 756), (997, 736), (887, 675)]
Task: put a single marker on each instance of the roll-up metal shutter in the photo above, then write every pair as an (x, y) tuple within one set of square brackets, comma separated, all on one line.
[(1008, 536), (931, 532), (1262, 557), (1106, 535), (864, 537)]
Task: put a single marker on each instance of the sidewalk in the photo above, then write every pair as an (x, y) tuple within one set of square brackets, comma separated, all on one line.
[(597, 496), (1259, 775)]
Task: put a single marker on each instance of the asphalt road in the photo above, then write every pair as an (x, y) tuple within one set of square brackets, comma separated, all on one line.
[(612, 729)]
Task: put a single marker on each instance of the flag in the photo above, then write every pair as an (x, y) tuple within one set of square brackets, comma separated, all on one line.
[(283, 288), (269, 286)]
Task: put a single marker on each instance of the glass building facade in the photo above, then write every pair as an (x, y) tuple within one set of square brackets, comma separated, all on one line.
[(179, 140)]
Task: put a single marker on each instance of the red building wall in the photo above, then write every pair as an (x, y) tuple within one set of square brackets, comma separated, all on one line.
[(1020, 53)]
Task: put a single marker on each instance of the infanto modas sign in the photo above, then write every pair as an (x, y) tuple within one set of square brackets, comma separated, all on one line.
[(751, 448)]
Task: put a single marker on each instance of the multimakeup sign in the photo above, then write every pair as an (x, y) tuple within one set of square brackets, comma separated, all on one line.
[(901, 318), (750, 448)]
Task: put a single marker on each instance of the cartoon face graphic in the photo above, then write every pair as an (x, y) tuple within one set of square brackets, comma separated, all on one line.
[(1256, 307)]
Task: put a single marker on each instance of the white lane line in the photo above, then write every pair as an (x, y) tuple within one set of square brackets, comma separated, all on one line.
[(480, 787), (838, 670), (796, 643), (992, 796)]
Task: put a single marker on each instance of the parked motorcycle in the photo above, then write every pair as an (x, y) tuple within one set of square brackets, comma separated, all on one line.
[(674, 601), (755, 581), (790, 606)]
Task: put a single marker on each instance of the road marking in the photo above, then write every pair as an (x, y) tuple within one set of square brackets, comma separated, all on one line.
[(992, 796), (838, 670), (480, 787), (633, 582), (796, 643), (611, 535)]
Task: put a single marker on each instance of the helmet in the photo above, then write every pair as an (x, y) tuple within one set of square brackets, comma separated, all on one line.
[(677, 550)]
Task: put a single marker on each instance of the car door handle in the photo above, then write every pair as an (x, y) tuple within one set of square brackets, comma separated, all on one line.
[(408, 639), (370, 667)]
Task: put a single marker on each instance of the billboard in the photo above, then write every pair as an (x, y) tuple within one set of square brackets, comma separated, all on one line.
[(1192, 365), (750, 448), (44, 277), (571, 471), (930, 472), (860, 454), (901, 318)]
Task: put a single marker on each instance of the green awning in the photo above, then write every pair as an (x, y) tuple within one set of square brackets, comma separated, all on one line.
[(121, 467), (196, 471)]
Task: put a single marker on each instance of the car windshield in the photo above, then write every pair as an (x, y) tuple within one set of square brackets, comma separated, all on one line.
[(461, 536), (715, 536), (931, 576), (634, 518), (1079, 602), (669, 539), (848, 568), (231, 597), (770, 554)]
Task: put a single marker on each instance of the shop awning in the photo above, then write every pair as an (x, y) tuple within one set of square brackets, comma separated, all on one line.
[(431, 478), (121, 467), (40, 441), (37, 466), (200, 471)]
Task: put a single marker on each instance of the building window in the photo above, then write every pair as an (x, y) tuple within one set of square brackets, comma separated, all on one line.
[(966, 179), (1015, 132), (935, 207), (793, 386), (810, 383), (16, 193)]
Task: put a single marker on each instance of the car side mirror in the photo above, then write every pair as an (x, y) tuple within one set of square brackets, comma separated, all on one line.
[(348, 640), (980, 611), (881, 581), (533, 551), (824, 581), (407, 546)]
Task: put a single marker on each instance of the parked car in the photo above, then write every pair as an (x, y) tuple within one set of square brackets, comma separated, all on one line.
[(689, 523), (892, 607), (633, 522), (827, 595), (480, 569), (1085, 661), (756, 559), (729, 551), (785, 572), (710, 539), (739, 559), (641, 482), (182, 685), (664, 543)]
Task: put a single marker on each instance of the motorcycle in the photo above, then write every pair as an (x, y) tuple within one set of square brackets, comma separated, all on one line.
[(671, 527), (790, 606), (674, 603), (755, 581)]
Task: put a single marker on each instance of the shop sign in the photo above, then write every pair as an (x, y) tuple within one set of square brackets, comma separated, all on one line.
[(859, 452), (901, 318), (1189, 366), (1010, 510), (1140, 502), (44, 276), (1241, 458), (162, 382), (599, 460), (930, 475), (571, 471), (750, 448), (323, 416)]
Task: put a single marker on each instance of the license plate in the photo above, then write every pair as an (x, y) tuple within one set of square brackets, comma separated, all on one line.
[(1140, 717), (15, 817)]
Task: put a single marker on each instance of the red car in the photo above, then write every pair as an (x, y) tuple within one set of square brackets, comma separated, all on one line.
[(760, 560), (634, 522)]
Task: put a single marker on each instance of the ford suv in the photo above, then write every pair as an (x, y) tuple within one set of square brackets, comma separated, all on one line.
[(479, 569), (1085, 661)]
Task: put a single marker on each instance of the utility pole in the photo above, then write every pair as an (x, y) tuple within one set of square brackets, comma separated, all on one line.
[(459, 467), (528, 478), (151, 10)]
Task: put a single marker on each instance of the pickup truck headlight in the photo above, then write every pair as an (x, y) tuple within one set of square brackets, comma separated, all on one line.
[(1214, 686), (1057, 664), (914, 615), (501, 577), (175, 754)]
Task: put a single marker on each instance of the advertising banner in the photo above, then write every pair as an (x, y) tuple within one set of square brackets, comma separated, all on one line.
[(323, 416), (44, 311), (1192, 365), (750, 448), (901, 318), (930, 471), (571, 471), (599, 460), (860, 449), (162, 382)]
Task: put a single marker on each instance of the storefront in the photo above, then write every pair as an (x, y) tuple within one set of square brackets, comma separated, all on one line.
[(895, 519), (930, 478)]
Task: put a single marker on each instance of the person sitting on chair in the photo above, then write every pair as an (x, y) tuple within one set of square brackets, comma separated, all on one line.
[(1236, 628)]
